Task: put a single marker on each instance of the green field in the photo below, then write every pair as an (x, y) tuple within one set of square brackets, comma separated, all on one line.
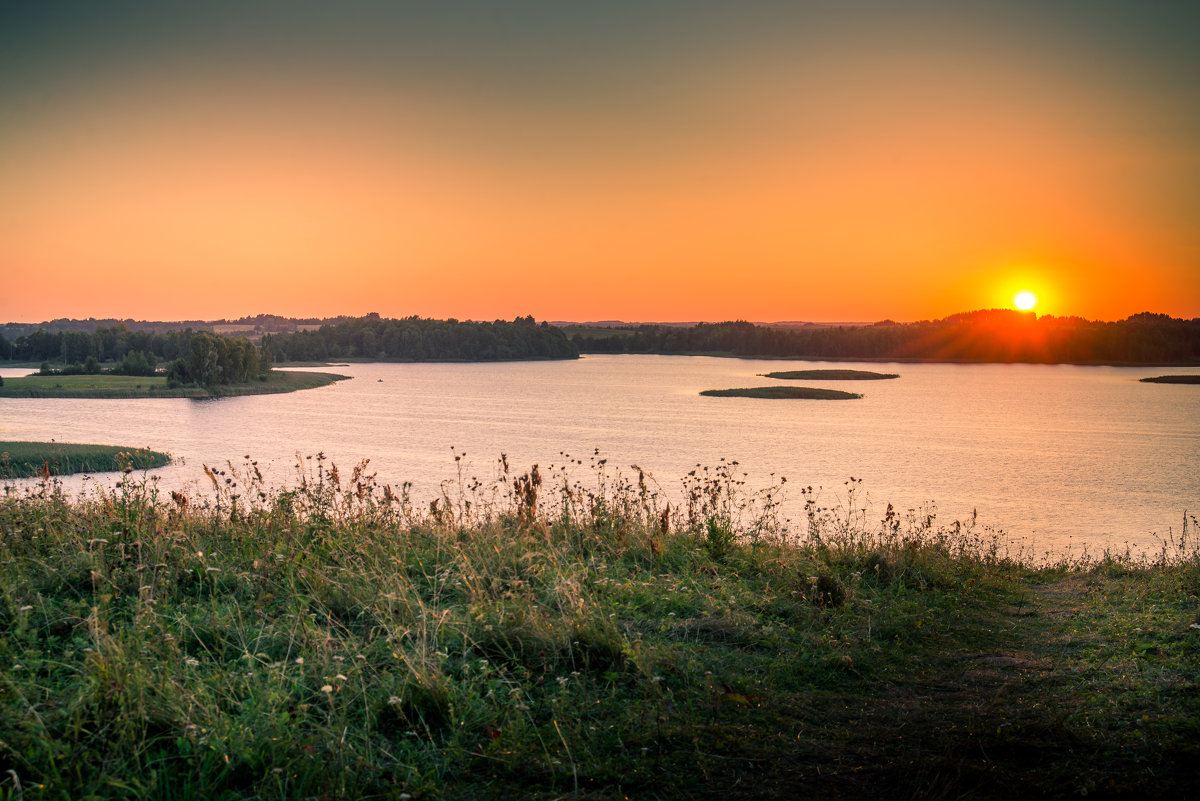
[(830, 375), (544, 640), (120, 386), (26, 459), (782, 393)]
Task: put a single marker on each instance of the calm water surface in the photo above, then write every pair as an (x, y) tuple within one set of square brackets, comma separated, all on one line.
[(1055, 456)]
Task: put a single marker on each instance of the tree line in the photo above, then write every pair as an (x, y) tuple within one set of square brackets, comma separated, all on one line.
[(210, 360), (370, 337), (216, 360), (417, 339), (103, 344), (993, 335)]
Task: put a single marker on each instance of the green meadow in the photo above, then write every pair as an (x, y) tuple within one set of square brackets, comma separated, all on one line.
[(120, 386), (542, 637)]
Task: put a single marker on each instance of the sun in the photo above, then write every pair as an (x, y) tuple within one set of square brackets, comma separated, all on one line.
[(1025, 300)]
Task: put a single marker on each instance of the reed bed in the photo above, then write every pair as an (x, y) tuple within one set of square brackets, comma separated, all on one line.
[(32, 459)]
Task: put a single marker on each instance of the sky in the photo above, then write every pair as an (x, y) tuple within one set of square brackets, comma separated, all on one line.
[(849, 161)]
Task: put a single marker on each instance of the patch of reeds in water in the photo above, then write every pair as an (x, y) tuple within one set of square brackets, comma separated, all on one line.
[(32, 459)]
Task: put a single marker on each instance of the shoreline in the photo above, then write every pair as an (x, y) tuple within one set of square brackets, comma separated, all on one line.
[(887, 360)]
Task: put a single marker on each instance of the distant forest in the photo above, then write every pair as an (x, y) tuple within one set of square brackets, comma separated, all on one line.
[(995, 335), (370, 337), (419, 340)]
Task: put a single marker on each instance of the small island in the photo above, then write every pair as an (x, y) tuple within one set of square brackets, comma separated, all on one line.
[(1173, 379), (30, 459), (830, 375), (782, 393)]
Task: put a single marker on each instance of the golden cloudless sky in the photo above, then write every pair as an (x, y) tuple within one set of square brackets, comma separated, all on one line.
[(619, 160)]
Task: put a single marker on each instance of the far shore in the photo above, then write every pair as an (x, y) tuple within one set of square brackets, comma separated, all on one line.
[(887, 359)]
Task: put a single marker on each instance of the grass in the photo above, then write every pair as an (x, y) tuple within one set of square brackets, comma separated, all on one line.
[(545, 636), (28, 459), (806, 393), (120, 386), (1173, 379), (831, 375)]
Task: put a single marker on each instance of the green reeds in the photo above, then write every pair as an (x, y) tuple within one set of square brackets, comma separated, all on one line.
[(31, 459)]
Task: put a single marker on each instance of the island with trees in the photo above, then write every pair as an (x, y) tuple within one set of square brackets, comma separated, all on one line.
[(119, 362), (210, 366)]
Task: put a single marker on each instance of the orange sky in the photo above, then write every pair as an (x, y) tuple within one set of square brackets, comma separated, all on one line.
[(886, 169)]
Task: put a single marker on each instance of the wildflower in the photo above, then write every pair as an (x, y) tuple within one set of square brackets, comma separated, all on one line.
[(326, 688), (299, 660)]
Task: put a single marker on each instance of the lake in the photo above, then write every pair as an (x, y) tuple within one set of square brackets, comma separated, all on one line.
[(1058, 457)]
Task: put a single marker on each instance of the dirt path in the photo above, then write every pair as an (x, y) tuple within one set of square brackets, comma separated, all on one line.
[(1083, 688)]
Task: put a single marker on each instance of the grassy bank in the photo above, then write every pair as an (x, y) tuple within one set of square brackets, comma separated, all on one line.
[(782, 393), (27, 459), (830, 375), (547, 638), (121, 386)]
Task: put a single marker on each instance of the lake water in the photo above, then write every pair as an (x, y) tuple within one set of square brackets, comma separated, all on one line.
[(1057, 456)]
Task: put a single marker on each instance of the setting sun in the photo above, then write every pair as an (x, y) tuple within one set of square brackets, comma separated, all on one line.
[(1025, 301)]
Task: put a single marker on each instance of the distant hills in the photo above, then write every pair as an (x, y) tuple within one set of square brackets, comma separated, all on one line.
[(987, 335), (254, 327), (250, 327), (692, 323)]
